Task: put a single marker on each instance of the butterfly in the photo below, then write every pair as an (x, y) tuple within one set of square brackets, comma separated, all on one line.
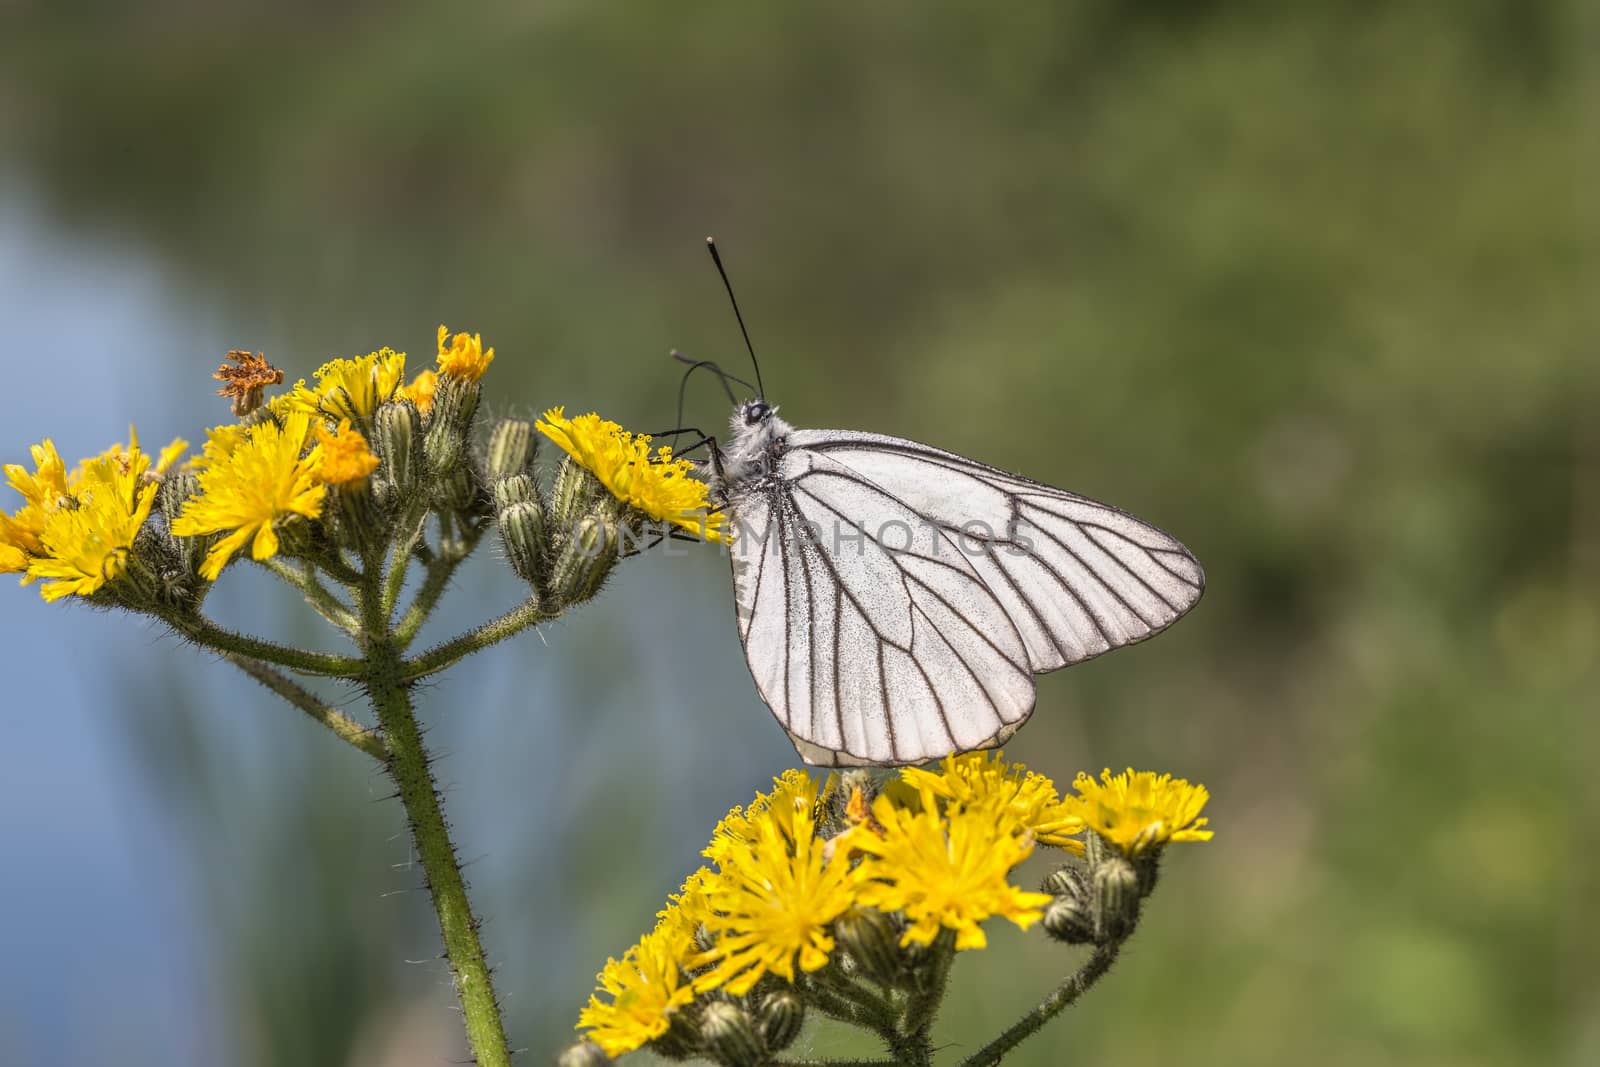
[(896, 601)]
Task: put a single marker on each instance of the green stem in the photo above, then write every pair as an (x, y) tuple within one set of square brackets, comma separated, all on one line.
[(203, 631), (408, 765), (835, 1063), (414, 524), (1051, 1006), (332, 562), (493, 632), (924, 1005), (368, 741), (317, 595)]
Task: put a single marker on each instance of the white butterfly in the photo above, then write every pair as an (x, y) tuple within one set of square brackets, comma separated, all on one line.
[(895, 600)]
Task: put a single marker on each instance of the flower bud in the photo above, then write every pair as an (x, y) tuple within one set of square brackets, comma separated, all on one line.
[(458, 490), (398, 435), (584, 562), (522, 531), (682, 1039), (728, 1035), (517, 489), (357, 520), (1116, 899), (583, 1054), (574, 494), (1068, 919), (1066, 881), (782, 1013), (511, 449), (872, 942), (175, 490), (455, 403)]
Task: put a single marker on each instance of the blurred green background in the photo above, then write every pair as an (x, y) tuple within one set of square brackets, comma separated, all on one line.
[(1309, 285)]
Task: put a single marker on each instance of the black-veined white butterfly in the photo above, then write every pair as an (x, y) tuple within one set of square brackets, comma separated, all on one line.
[(895, 600)]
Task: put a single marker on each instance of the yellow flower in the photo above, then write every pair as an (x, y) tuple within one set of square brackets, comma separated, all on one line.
[(1137, 810), (687, 910), (464, 356), (645, 987), (75, 531), (42, 492), (345, 455), (794, 792), (261, 482), (1022, 800), (659, 486), (420, 391), (347, 388), (770, 905), (943, 870)]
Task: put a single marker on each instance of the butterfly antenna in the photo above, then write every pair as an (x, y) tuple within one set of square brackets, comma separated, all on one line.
[(695, 364), (716, 257)]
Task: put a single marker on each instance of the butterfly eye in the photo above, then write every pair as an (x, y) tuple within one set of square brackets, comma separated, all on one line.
[(755, 411)]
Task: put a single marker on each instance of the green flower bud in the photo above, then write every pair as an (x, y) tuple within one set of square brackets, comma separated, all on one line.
[(1068, 918), (189, 552), (176, 488), (522, 531), (517, 489), (511, 449), (1116, 899), (782, 1013), (398, 436), (455, 403), (354, 517), (574, 495), (728, 1035), (583, 1054), (1066, 882), (584, 561), (872, 941), (459, 490), (682, 1039)]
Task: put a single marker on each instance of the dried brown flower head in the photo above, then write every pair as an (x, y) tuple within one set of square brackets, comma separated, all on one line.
[(245, 381)]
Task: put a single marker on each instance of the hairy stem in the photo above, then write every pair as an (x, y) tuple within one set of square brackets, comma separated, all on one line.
[(319, 596), (1051, 1006), (368, 741), (924, 1004), (408, 765), (203, 631), (493, 632), (412, 526)]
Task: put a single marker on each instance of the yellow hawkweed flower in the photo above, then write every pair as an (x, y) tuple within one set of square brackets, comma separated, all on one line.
[(943, 870), (75, 531), (345, 455), (772, 901), (464, 356), (688, 909), (347, 388), (794, 793), (1021, 799), (420, 391), (660, 486), (248, 491), (645, 988), (1138, 810), (42, 492)]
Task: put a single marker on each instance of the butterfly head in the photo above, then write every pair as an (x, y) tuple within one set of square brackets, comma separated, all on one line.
[(753, 413), (757, 437)]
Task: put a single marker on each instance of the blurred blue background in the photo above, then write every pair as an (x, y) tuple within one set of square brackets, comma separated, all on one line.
[(1310, 286)]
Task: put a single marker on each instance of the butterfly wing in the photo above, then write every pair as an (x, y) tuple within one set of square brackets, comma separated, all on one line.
[(872, 638), (1076, 577)]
